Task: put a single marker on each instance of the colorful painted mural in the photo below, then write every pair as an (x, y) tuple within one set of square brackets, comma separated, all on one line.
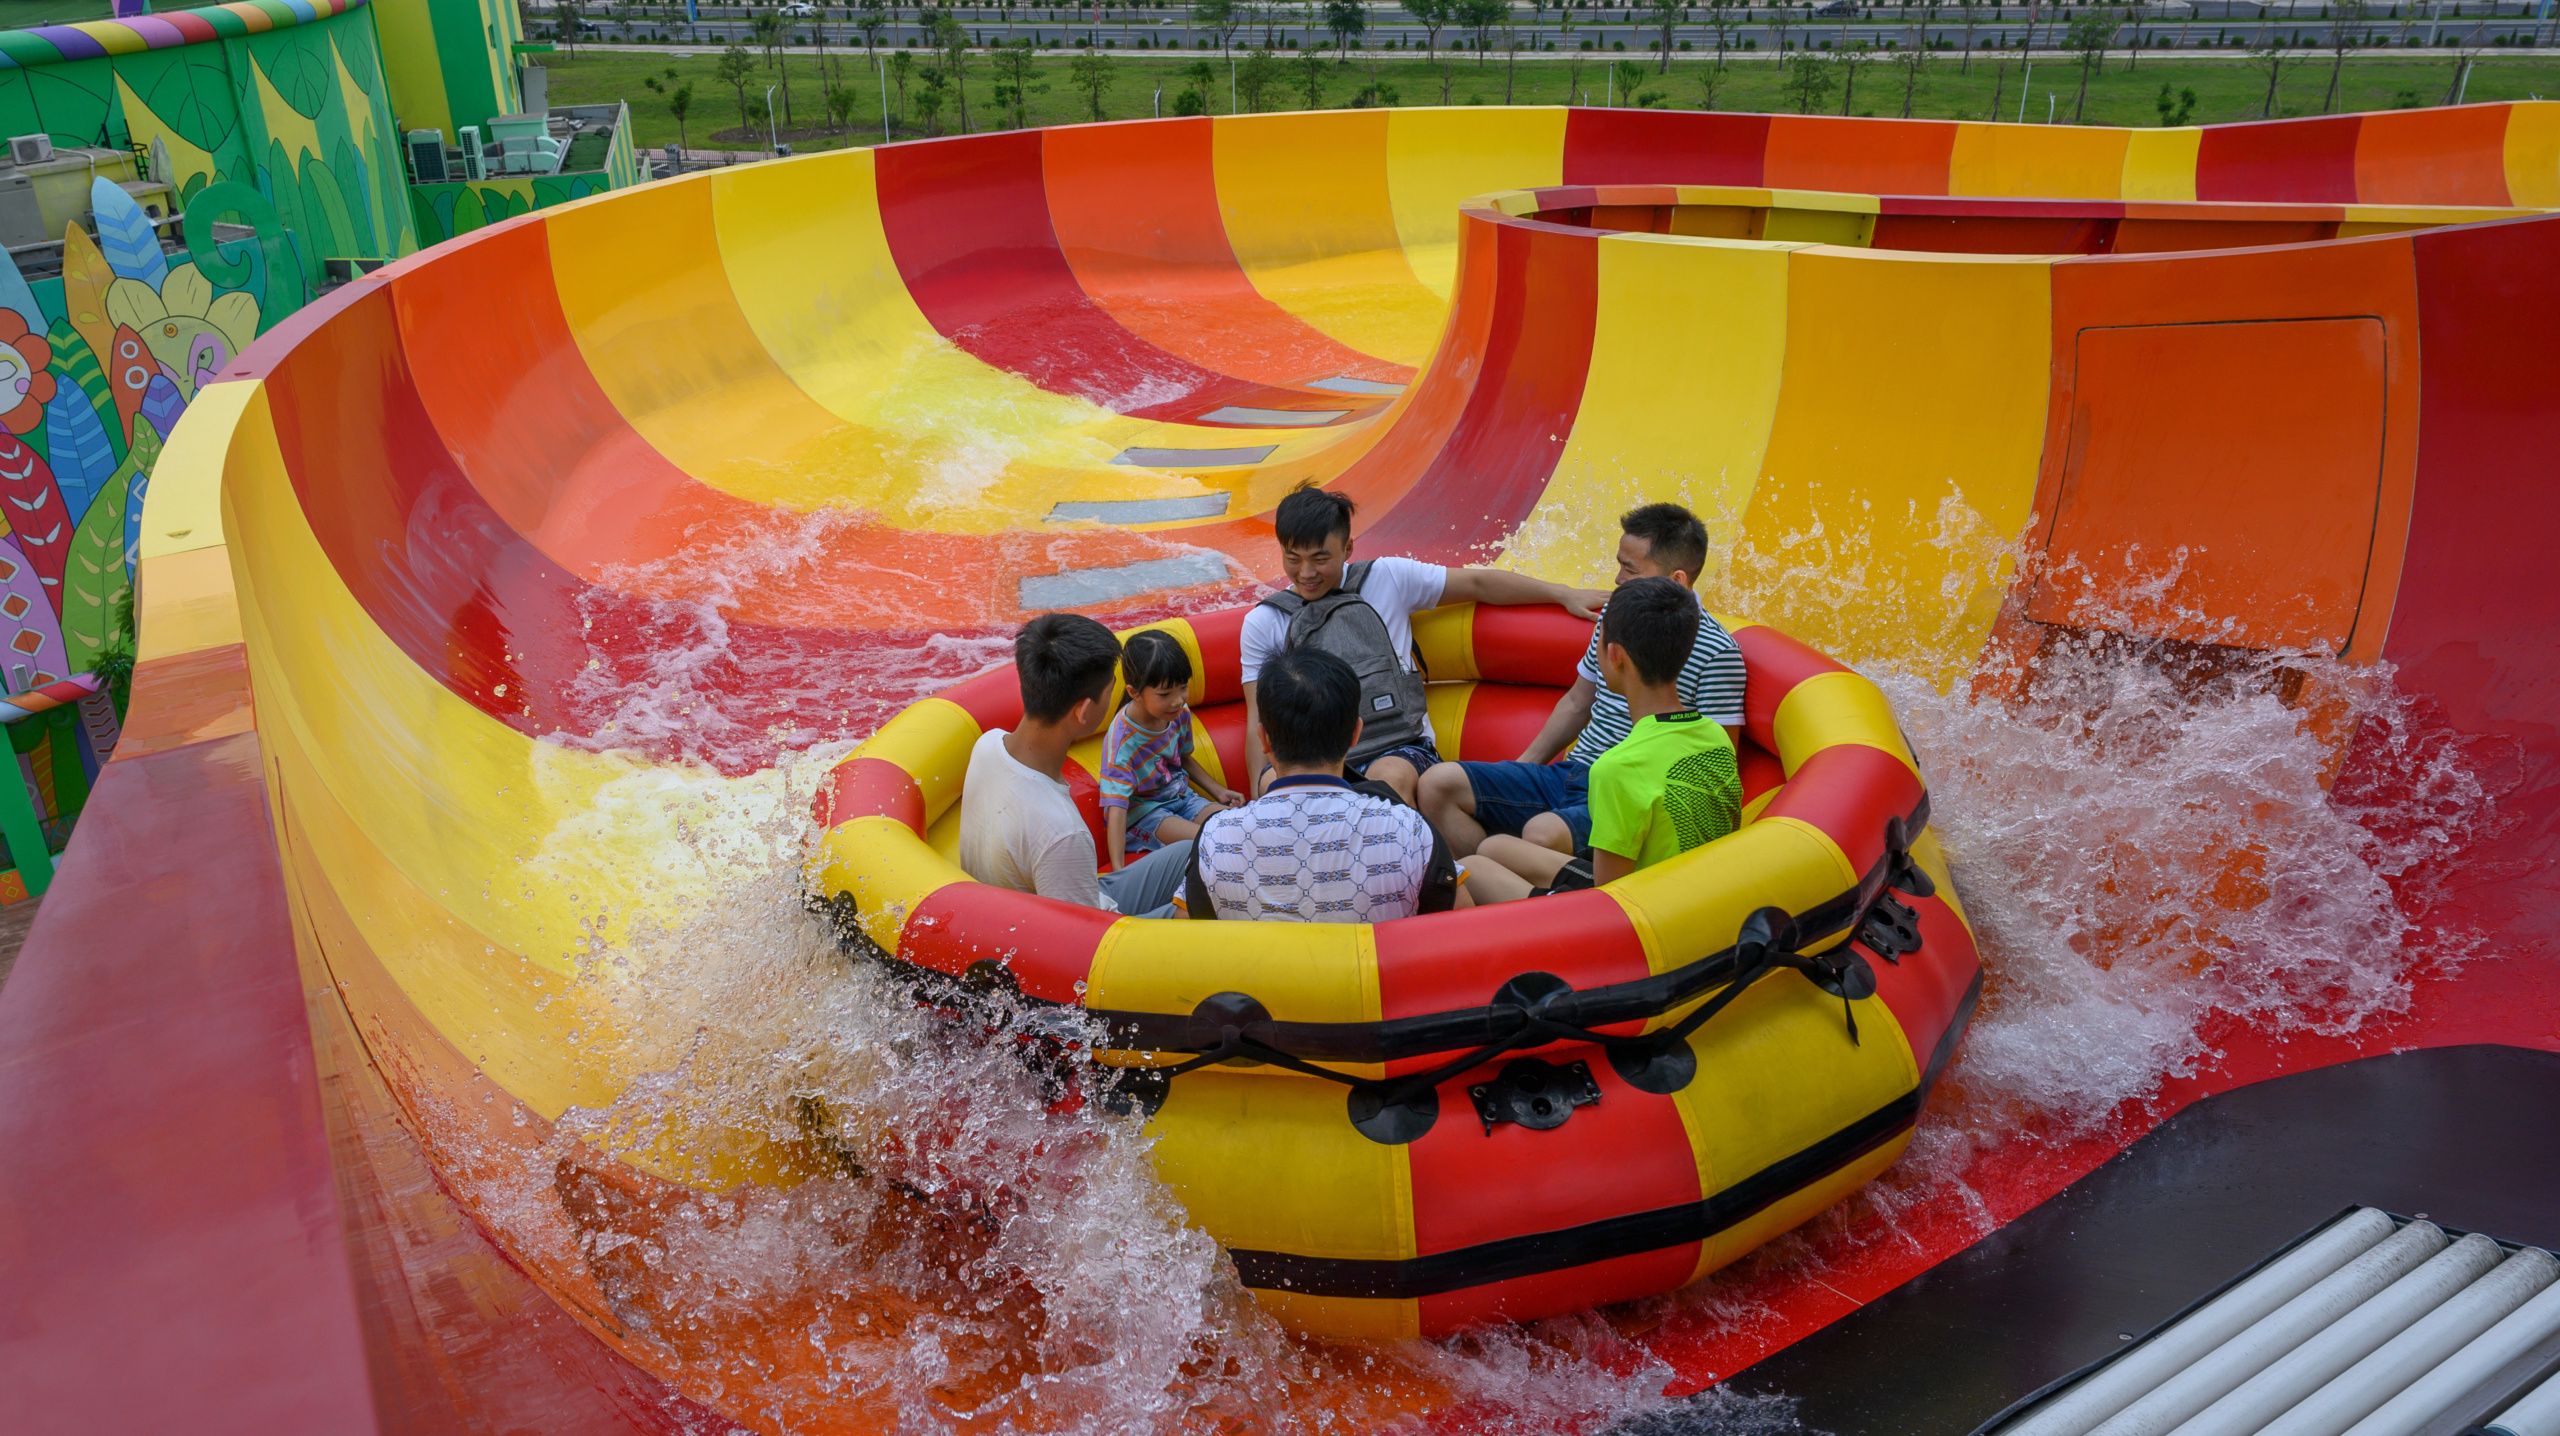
[(96, 367), (442, 211)]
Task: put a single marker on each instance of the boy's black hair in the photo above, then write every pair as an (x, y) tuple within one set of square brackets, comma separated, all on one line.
[(1310, 702), (1063, 659), (1673, 536), (1310, 515), (1153, 658), (1655, 620)]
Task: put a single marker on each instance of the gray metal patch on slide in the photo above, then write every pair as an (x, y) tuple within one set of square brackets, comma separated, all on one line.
[(1079, 587), (1272, 418), (1142, 511), (1195, 458), (1354, 386)]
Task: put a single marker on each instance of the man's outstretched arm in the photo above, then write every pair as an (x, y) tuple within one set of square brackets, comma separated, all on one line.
[(1564, 724), (1503, 588)]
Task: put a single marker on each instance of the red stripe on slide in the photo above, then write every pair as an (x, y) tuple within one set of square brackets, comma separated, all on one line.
[(1773, 664), (1848, 790), (2301, 161), (869, 787), (1382, 478), (1481, 487), (968, 221), (1533, 643), (1661, 147), (1048, 946), (1135, 208)]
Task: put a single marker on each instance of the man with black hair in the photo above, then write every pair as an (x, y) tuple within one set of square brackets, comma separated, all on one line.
[(1363, 613), (1672, 784), (1019, 827), (1547, 802), (1314, 848)]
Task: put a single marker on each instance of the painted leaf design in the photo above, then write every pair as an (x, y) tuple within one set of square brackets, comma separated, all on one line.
[(193, 96), (30, 633), (125, 235), (95, 580), (161, 404), (72, 358), (85, 279), (81, 453), (36, 515)]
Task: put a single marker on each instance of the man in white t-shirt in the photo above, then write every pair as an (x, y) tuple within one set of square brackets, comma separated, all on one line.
[(1313, 848), (1019, 827), (1363, 614)]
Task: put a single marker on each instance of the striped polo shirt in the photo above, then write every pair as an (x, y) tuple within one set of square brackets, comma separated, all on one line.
[(1710, 683)]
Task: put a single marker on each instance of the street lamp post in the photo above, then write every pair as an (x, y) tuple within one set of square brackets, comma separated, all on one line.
[(772, 136)]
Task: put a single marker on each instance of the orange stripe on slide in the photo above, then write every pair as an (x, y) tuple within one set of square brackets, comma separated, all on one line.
[(1859, 156), (2433, 156), (1136, 215)]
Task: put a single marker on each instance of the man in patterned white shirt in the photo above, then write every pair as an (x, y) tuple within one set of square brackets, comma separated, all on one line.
[(1313, 848)]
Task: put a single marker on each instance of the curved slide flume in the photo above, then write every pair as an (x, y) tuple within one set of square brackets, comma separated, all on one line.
[(781, 423)]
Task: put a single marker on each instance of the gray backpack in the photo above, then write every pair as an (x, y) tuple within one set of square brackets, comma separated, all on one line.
[(1392, 707)]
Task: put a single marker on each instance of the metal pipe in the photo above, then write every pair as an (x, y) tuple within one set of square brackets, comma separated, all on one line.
[(2129, 1377), (2288, 1326), (2305, 1368), (2417, 1404), (2361, 1388), (2538, 1414)]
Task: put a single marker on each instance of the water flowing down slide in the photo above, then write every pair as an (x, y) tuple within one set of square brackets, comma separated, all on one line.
[(432, 995)]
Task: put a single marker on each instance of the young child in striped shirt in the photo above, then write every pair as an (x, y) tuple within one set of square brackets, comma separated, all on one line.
[(1147, 763)]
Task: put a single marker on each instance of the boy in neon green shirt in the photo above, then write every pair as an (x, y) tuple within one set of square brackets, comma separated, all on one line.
[(1672, 784)]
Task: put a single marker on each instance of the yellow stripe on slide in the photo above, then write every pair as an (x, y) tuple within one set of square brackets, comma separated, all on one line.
[(1663, 417), (1437, 158), (2160, 165), (1310, 218), (2037, 161), (1923, 493)]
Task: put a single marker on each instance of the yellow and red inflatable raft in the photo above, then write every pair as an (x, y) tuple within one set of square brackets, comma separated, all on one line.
[(1498, 1114)]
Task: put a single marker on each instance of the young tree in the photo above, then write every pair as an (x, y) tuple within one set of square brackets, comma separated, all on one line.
[(2267, 52), (1999, 85), (1204, 83), (2090, 31), (930, 88), (1220, 18), (1572, 60), (1968, 11), (1348, 20), (736, 67), (953, 42), (1710, 81), (2174, 109), (900, 66), (1851, 59), (1665, 16), (871, 19), (1092, 75), (1913, 62), (1433, 16), (1481, 16), (1808, 81), (2466, 53), (2346, 31), (1310, 76), (1721, 19), (1256, 76), (1014, 89), (840, 103), (1781, 15)]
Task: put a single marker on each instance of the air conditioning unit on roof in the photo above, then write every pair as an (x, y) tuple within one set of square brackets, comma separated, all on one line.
[(30, 149)]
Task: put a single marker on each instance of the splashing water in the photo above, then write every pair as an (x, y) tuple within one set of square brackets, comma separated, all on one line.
[(835, 1210)]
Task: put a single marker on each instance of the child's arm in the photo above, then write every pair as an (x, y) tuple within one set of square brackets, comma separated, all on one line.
[(1218, 792), (1117, 820), (1607, 867)]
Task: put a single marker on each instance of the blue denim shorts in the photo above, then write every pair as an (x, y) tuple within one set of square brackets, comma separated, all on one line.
[(1419, 755), (1143, 820), (1508, 795)]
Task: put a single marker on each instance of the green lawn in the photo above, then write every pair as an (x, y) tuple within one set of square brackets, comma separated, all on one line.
[(2225, 89)]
